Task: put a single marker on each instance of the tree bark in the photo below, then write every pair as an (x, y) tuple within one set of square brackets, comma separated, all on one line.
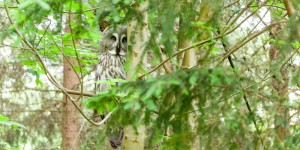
[(189, 61), (289, 7), (71, 116), (138, 36), (280, 87)]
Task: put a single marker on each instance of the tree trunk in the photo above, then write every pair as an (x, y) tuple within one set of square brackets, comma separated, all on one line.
[(139, 32), (280, 87), (189, 60), (71, 116)]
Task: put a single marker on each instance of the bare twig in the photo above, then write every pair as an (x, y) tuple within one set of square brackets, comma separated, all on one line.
[(244, 93), (244, 20), (44, 33), (76, 53), (14, 7), (226, 32), (239, 15), (289, 58), (77, 135), (250, 38), (223, 99), (231, 4), (77, 12), (51, 78), (4, 45), (261, 20)]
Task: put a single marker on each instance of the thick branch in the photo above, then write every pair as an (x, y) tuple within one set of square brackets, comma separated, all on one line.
[(289, 7)]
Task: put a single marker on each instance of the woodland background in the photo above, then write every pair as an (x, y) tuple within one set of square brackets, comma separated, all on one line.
[(209, 74)]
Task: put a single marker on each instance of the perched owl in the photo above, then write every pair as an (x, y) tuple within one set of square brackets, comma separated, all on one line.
[(113, 48)]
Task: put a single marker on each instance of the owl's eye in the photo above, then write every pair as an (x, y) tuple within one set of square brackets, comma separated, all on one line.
[(113, 38), (124, 40)]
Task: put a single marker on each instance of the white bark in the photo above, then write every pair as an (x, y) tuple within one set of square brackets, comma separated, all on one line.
[(138, 36)]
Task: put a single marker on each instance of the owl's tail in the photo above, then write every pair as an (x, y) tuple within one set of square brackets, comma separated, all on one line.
[(116, 141)]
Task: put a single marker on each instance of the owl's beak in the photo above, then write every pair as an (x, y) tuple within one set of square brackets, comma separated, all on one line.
[(118, 49)]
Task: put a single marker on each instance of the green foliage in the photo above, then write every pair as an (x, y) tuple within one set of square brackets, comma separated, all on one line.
[(40, 24), (6, 123), (46, 38), (167, 101), (214, 97), (279, 6)]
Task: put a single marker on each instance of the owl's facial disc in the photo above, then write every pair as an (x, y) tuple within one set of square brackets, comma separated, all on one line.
[(119, 45), (115, 51), (122, 53)]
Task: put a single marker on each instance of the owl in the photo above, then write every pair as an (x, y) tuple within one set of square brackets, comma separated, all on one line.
[(113, 48), (112, 51)]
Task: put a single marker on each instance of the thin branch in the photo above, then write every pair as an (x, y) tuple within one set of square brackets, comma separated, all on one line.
[(244, 20), (51, 78), (250, 38), (76, 53), (178, 53), (223, 99), (51, 90), (294, 114), (77, 135), (199, 44), (14, 7), (161, 57), (79, 93), (33, 51), (65, 56), (62, 52), (278, 7), (77, 12), (5, 45), (294, 53), (239, 15), (226, 32), (244, 93), (260, 20), (254, 54), (231, 4), (43, 33), (211, 46)]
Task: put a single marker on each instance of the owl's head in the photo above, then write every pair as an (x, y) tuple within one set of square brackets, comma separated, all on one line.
[(114, 40)]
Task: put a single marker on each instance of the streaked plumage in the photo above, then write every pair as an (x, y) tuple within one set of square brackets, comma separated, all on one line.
[(113, 48)]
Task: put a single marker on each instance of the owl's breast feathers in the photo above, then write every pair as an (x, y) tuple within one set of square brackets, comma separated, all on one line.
[(110, 67)]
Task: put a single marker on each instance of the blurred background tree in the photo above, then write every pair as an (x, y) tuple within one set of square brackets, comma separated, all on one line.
[(203, 74)]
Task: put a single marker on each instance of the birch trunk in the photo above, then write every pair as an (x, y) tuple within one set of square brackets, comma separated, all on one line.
[(138, 36), (189, 60)]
